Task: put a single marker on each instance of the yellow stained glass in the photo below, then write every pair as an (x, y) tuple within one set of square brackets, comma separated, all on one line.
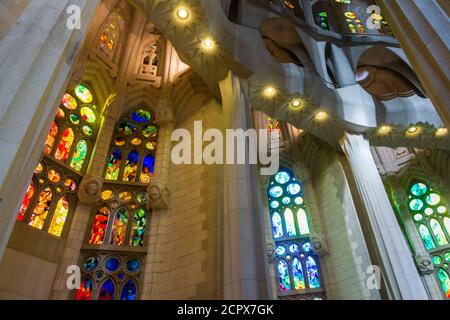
[(40, 212), (106, 195), (59, 217), (84, 94)]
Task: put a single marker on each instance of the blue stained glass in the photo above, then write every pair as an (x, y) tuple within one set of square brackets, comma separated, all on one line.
[(307, 247), (276, 192), (277, 228), (416, 204), (121, 276), (294, 248), (112, 264), (133, 156), (141, 116), (133, 265), (293, 189), (107, 290), (297, 274), (280, 250), (282, 177), (313, 273), (90, 264), (128, 291), (274, 204), (419, 189), (149, 164), (283, 276)]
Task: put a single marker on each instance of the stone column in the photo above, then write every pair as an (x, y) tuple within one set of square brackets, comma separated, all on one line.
[(421, 27), (88, 195), (35, 60), (243, 235), (158, 192), (402, 278)]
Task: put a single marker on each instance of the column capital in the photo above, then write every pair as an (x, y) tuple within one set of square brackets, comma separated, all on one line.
[(164, 114), (90, 189), (424, 263)]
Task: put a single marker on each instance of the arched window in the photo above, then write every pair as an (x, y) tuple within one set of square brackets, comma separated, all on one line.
[(109, 276), (133, 148), (431, 216), (297, 266), (51, 195)]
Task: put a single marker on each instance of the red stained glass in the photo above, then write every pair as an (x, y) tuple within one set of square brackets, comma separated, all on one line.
[(41, 210), (65, 144), (26, 202), (85, 291), (99, 226)]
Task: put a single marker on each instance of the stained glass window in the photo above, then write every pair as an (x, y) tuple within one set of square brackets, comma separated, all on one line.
[(99, 226), (133, 148), (296, 265), (109, 276), (108, 38), (48, 197), (138, 229), (119, 227), (430, 214), (51, 196)]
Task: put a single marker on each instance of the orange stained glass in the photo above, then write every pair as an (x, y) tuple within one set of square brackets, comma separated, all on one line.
[(51, 138), (40, 212), (26, 202), (119, 228), (65, 144), (54, 176), (59, 217), (69, 102), (99, 226)]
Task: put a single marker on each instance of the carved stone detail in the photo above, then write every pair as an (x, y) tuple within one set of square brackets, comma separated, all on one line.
[(424, 263), (318, 244), (114, 106), (158, 196), (90, 189)]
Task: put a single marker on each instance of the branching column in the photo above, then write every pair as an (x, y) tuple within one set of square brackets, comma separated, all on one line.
[(88, 195), (244, 264), (399, 269)]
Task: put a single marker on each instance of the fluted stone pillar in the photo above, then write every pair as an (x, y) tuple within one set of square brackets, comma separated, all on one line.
[(400, 271), (158, 192), (422, 29), (35, 61), (88, 195), (244, 251)]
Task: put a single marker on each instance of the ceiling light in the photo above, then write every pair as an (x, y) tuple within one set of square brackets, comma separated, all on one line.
[(208, 43), (297, 104), (384, 130), (269, 91), (321, 116), (413, 130), (183, 13), (441, 132)]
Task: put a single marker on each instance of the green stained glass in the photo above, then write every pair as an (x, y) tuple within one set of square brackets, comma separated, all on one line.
[(426, 237), (445, 282), (416, 204), (79, 156), (418, 217), (87, 131), (437, 260), (447, 256), (299, 200), (282, 177), (138, 228), (149, 131), (83, 94), (286, 200), (419, 189), (141, 198), (74, 119), (433, 199), (439, 235)]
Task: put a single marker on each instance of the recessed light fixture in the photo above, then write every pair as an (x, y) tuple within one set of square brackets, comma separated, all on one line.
[(183, 13), (384, 130), (297, 104), (413, 130), (269, 91), (321, 116), (441, 132), (208, 43)]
